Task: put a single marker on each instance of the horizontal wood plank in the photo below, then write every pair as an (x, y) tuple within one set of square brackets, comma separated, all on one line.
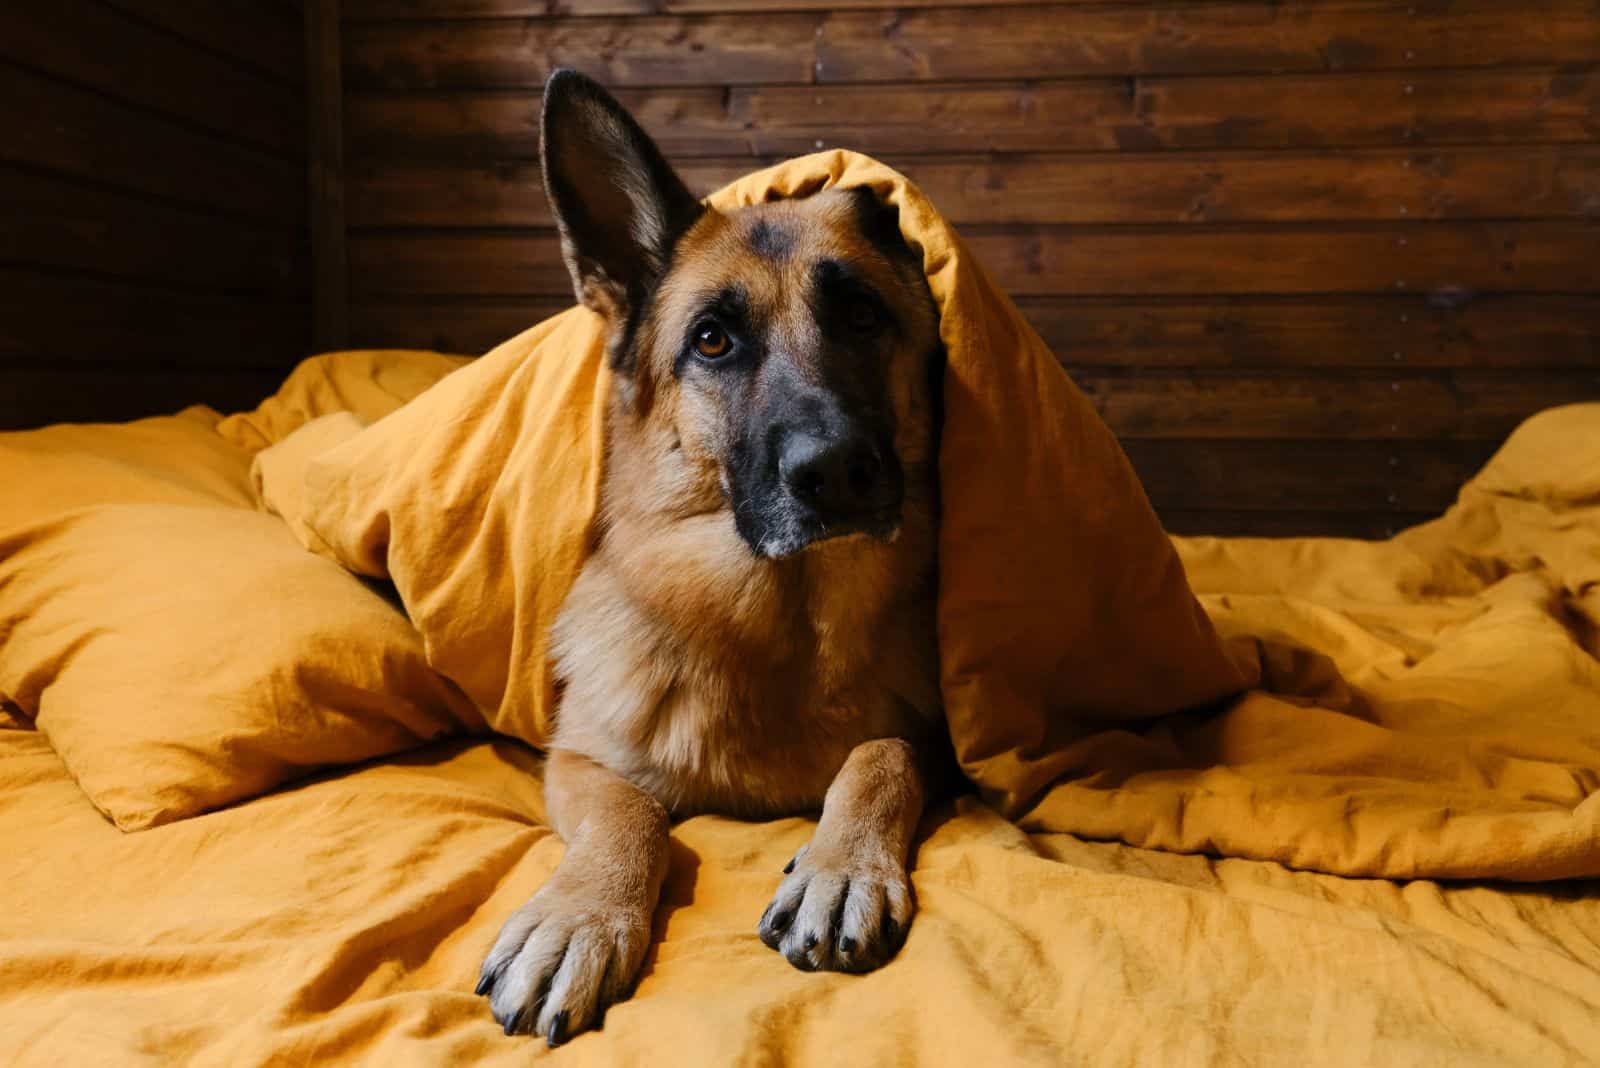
[(1326, 475), (50, 317), (51, 222), (1280, 111), (33, 396), (61, 127), (413, 10), (1294, 406), (1371, 526), (259, 34), (1340, 333), (1365, 258), (140, 64), (952, 45), (1143, 114), (1442, 258), (1544, 181), (1346, 333), (448, 325)]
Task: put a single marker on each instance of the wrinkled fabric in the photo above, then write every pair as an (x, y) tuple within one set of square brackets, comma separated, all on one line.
[(1430, 704), (179, 648), (343, 921), (1061, 601)]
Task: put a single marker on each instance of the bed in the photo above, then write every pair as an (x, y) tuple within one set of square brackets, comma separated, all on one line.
[(1432, 705), (247, 824)]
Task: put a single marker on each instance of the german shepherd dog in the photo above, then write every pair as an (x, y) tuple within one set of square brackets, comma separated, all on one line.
[(754, 631)]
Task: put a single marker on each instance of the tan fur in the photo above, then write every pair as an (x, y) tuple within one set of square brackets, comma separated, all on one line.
[(700, 676), (714, 678)]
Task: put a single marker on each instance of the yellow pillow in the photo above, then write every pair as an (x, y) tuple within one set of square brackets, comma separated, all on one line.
[(180, 649)]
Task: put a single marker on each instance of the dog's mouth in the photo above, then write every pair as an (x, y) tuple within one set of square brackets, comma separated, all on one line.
[(812, 533), (786, 528)]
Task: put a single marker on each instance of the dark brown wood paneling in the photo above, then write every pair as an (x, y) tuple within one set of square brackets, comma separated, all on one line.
[(1312, 260), (394, 10), (152, 245), (330, 298), (1454, 406), (935, 45), (1284, 111), (1251, 523), (35, 396), (1533, 182), (1516, 331), (1545, 256), (250, 32), (1329, 475), (52, 222), (52, 317), (1137, 114), (449, 324), (90, 44), (51, 124), (1540, 256)]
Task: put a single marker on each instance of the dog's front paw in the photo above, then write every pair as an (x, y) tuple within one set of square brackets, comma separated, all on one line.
[(561, 960), (839, 910)]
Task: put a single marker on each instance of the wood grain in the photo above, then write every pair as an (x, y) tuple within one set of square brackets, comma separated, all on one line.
[(1540, 181), (77, 132), (1446, 259), (1329, 475), (1296, 406), (53, 318), (97, 46), (1432, 108), (950, 45), (256, 33), (51, 222), (1252, 523), (330, 261)]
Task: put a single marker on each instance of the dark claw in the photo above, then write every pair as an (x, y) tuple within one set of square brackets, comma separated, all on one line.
[(801, 961), (788, 869), (558, 1030), (485, 984), (892, 934), (780, 922), (513, 1022), (847, 945), (811, 942)]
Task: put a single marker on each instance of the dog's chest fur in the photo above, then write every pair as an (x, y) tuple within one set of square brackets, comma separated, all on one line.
[(719, 681)]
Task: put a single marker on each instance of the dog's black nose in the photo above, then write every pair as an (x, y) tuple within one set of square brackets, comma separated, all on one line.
[(836, 477)]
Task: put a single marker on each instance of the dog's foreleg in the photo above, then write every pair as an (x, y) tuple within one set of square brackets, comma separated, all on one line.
[(576, 947), (845, 902)]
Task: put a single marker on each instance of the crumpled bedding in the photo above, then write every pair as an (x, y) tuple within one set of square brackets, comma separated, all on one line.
[(1428, 707), (343, 920)]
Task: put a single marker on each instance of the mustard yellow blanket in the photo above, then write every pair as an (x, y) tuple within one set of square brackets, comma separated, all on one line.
[(1418, 709)]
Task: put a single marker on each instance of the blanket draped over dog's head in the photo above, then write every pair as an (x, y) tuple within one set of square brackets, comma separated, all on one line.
[(1062, 604)]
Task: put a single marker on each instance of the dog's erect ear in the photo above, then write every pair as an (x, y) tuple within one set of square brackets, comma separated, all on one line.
[(617, 202)]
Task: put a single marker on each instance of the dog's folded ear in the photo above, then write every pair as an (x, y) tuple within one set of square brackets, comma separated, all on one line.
[(618, 204)]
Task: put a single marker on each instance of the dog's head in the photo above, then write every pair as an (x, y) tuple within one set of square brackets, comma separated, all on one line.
[(792, 344)]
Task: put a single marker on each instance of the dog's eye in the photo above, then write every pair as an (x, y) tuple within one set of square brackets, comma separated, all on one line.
[(711, 341), (862, 315)]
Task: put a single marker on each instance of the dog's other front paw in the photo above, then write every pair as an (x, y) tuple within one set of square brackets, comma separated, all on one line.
[(839, 911), (561, 960)]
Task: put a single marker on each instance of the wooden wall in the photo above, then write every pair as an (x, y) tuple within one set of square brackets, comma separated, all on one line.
[(1312, 259), (152, 205)]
